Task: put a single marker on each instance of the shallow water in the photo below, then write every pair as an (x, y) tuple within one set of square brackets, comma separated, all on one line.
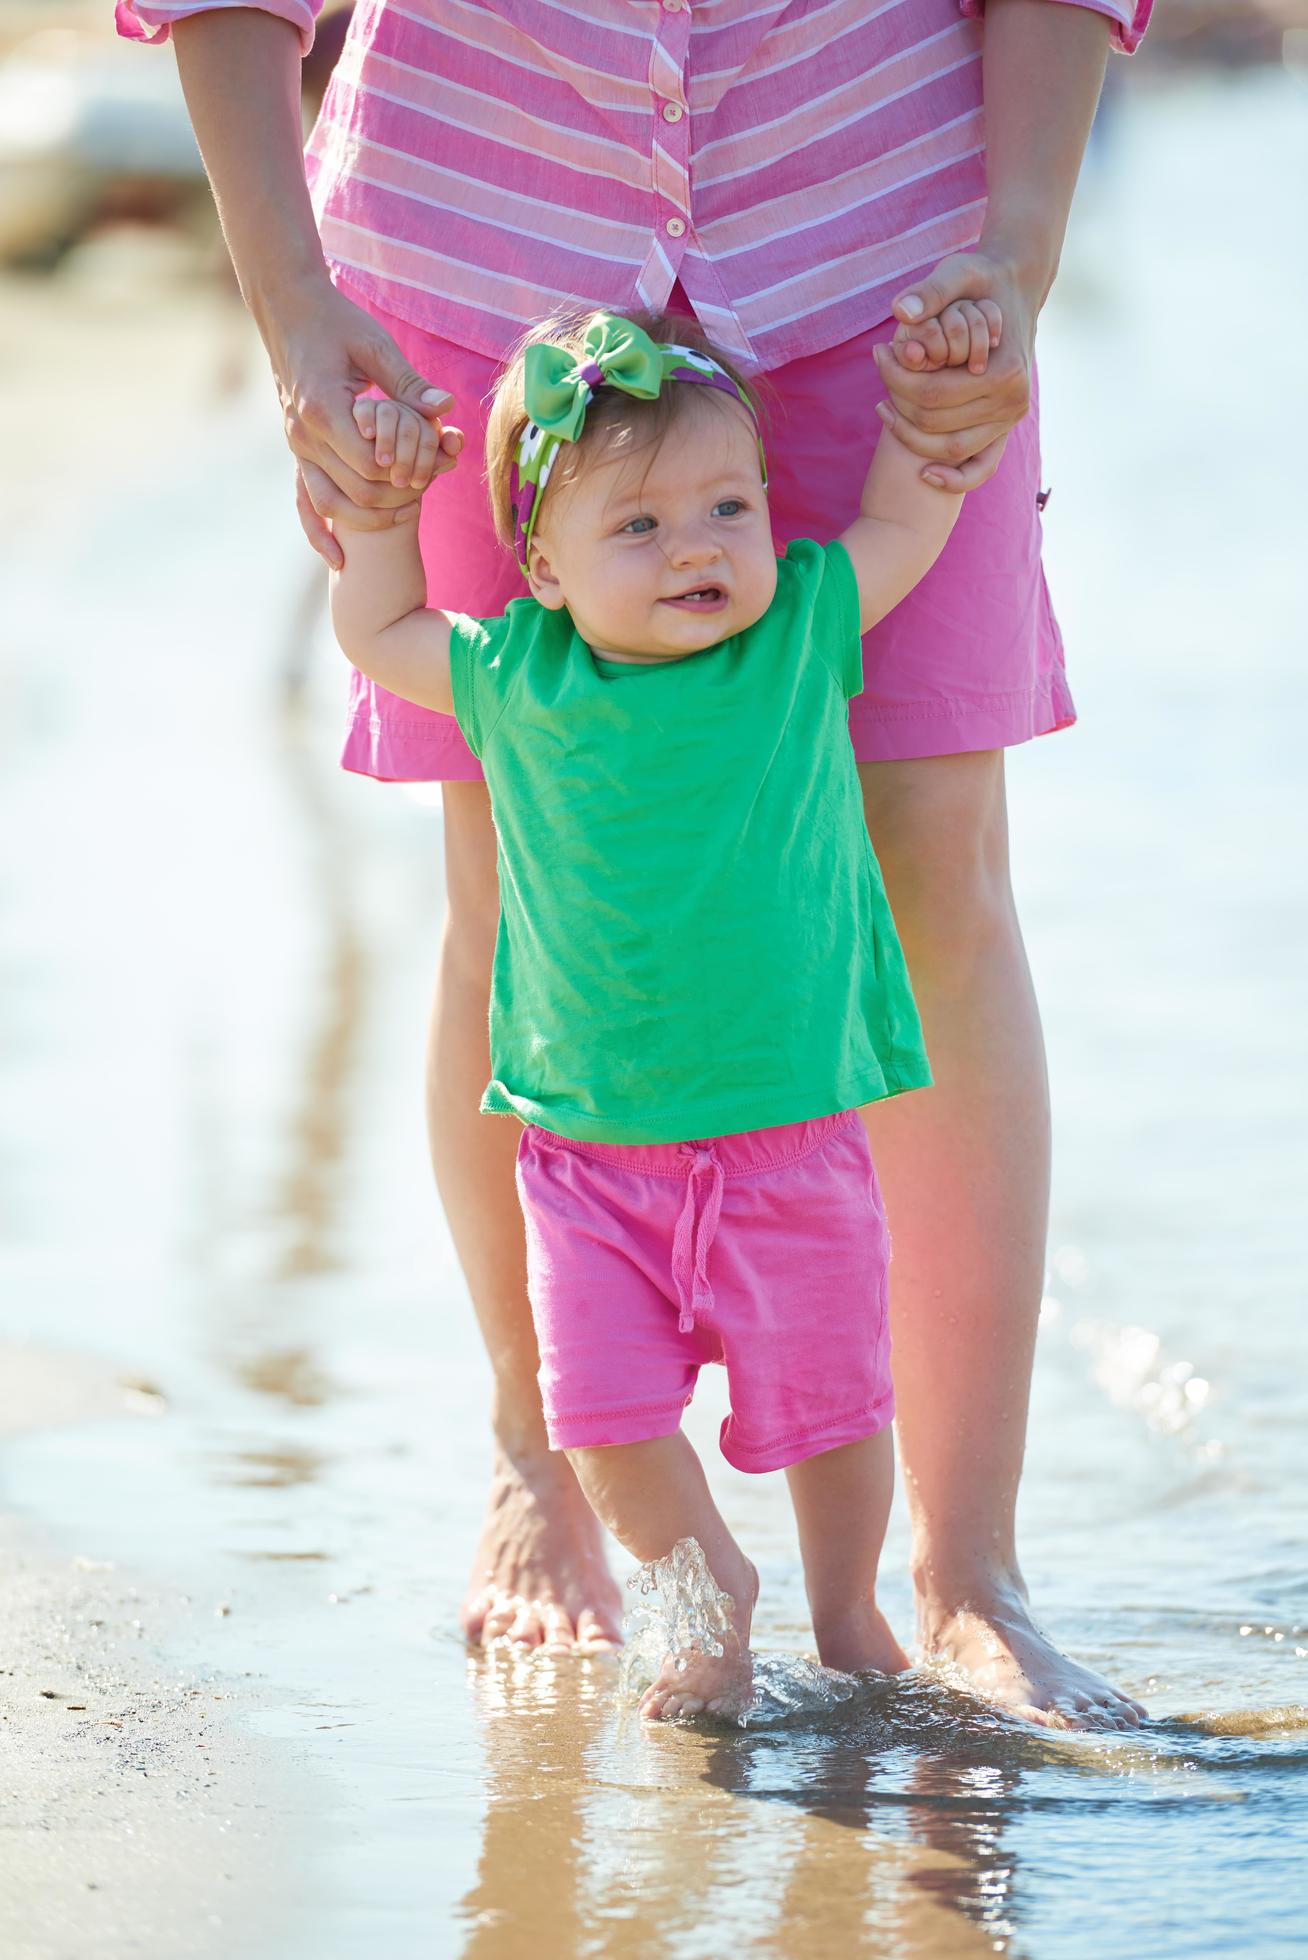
[(213, 979)]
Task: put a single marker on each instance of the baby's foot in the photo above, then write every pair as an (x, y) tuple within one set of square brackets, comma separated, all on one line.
[(696, 1682), (856, 1639)]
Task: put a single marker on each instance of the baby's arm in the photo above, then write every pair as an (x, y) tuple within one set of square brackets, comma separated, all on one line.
[(379, 596), (902, 525)]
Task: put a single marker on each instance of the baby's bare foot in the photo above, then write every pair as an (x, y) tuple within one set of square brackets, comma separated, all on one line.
[(697, 1681), (857, 1638), (1009, 1661)]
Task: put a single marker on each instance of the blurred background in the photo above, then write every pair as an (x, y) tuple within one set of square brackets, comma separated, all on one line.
[(242, 1437)]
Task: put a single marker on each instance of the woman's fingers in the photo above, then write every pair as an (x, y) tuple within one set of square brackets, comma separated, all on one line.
[(311, 523), (329, 501), (963, 275), (972, 473), (953, 448), (953, 400)]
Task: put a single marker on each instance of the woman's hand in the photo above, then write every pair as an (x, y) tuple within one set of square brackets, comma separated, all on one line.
[(325, 352), (950, 417)]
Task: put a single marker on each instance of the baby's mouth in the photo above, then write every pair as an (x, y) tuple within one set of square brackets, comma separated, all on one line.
[(702, 598)]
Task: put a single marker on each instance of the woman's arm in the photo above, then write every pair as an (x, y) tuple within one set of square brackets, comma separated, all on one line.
[(240, 70), (1043, 67)]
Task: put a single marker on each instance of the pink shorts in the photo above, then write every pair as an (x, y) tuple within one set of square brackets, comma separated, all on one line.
[(766, 1251), (972, 659)]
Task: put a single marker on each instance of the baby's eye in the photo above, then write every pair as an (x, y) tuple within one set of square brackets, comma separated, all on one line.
[(636, 527), (729, 507)]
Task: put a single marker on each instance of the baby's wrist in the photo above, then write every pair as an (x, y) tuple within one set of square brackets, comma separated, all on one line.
[(384, 517)]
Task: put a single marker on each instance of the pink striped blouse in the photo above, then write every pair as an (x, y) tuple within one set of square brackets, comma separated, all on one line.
[(478, 163)]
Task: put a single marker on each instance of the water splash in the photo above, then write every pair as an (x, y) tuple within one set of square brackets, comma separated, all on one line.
[(682, 1610)]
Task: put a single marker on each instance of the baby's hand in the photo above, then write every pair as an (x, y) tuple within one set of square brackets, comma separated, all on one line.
[(961, 336), (410, 445)]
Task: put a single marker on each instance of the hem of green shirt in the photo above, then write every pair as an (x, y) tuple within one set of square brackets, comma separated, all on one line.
[(717, 1119)]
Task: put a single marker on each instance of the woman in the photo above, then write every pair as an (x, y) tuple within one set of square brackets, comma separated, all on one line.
[(809, 175)]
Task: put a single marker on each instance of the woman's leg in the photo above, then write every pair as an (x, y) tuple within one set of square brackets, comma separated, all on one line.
[(540, 1573), (651, 1495), (842, 1503), (965, 1172)]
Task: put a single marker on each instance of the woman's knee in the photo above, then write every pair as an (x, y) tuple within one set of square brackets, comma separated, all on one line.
[(472, 892), (939, 827)]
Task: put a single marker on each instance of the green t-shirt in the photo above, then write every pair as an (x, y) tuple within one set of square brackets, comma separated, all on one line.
[(694, 937)]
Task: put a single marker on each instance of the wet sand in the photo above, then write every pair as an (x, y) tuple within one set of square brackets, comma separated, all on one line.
[(240, 1375), (138, 1817)]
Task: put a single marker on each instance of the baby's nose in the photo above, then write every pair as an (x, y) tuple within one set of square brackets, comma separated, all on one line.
[(696, 547)]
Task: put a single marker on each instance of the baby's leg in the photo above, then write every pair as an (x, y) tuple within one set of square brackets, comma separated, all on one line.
[(842, 1502), (650, 1495)]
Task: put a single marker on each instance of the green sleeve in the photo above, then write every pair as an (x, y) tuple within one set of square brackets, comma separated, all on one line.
[(836, 620), (816, 583), (484, 657), (465, 637)]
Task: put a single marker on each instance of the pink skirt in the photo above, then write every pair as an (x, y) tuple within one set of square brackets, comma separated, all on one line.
[(972, 659)]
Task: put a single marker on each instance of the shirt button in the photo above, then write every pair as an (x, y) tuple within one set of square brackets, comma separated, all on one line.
[(676, 226), (672, 112)]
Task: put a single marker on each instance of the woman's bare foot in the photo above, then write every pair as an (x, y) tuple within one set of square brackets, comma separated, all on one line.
[(696, 1682), (540, 1578), (992, 1639)]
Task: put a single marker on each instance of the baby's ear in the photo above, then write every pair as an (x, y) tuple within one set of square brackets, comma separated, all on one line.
[(545, 587)]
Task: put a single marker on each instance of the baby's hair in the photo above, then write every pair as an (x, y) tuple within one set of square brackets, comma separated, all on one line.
[(621, 423)]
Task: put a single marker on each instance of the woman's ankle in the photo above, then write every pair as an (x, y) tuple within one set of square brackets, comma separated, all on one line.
[(518, 1427), (948, 1583)]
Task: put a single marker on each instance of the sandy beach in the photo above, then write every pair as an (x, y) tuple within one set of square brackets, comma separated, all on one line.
[(242, 1430)]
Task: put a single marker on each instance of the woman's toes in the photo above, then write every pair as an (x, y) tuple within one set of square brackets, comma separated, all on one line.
[(473, 1617), (526, 1629), (596, 1635), (557, 1635), (498, 1618)]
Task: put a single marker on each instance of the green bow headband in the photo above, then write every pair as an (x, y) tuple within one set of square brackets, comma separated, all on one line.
[(558, 387)]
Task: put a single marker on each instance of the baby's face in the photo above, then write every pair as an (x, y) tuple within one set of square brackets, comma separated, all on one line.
[(666, 552)]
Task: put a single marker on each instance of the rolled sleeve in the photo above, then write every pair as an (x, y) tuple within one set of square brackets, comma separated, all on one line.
[(138, 21), (1129, 17)]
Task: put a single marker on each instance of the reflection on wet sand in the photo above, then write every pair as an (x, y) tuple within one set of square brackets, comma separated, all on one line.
[(305, 1195), (667, 1844), (636, 1844)]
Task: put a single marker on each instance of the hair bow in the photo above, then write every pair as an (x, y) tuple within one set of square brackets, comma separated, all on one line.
[(557, 384), (557, 389)]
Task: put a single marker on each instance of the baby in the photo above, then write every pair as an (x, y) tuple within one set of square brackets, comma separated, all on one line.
[(697, 980)]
